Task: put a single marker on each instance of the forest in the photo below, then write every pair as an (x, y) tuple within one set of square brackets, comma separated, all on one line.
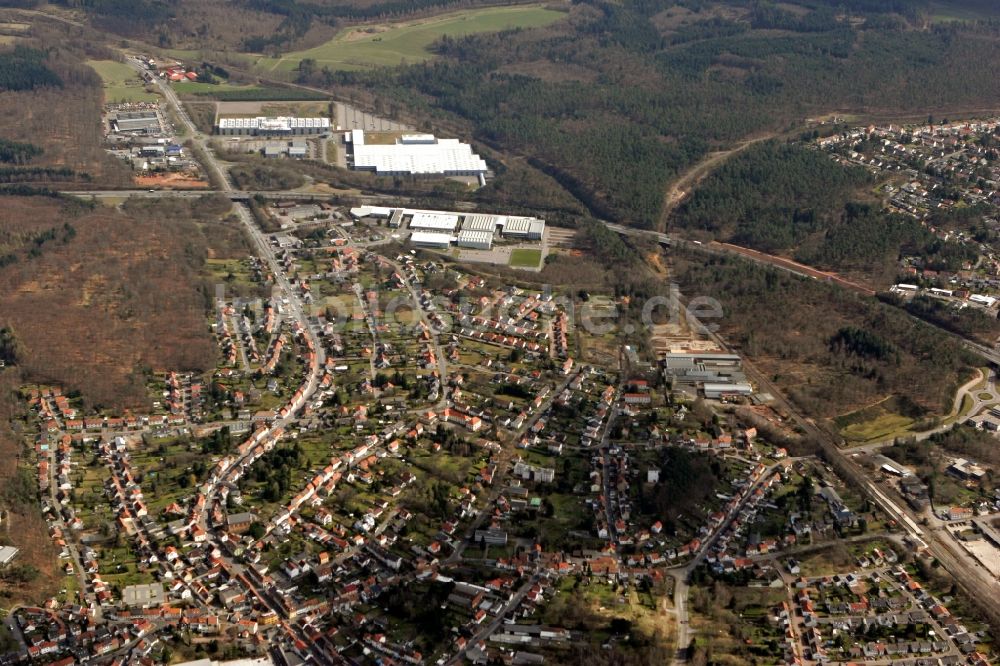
[(968, 322), (97, 298), (615, 102), (789, 199), (50, 114), (123, 16), (772, 196), (24, 69), (686, 482), (869, 242), (829, 350)]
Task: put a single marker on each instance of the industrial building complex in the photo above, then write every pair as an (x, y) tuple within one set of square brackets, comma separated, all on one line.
[(718, 375), (136, 122), (439, 229), (272, 126), (415, 154)]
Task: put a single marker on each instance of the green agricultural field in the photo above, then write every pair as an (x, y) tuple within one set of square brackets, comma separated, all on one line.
[(883, 426), (392, 44), (121, 82), (199, 87), (525, 257), (230, 92), (969, 10)]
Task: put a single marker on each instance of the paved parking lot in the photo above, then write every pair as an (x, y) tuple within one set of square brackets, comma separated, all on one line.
[(348, 118)]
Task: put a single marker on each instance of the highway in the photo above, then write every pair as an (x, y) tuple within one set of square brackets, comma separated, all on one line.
[(987, 353)]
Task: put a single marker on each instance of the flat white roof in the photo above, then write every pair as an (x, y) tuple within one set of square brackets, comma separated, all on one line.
[(417, 138), (523, 225), (443, 156), (439, 221), (371, 211), (728, 388), (431, 238), (480, 222), (274, 124), (475, 236)]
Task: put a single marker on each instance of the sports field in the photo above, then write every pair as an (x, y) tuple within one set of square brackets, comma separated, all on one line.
[(367, 46), (121, 82), (524, 257)]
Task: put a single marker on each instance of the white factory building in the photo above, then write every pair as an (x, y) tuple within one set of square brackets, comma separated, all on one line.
[(415, 154), (432, 240), (529, 228), (476, 240), (434, 221), (272, 126), (474, 230), (481, 222)]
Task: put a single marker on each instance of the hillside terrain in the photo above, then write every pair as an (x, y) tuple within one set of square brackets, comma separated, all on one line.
[(51, 104), (620, 396), (616, 100), (97, 297), (794, 201), (829, 350)]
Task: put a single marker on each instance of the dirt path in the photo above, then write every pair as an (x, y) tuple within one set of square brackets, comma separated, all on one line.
[(680, 188)]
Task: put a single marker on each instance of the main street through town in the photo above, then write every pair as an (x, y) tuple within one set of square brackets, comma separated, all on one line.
[(977, 582)]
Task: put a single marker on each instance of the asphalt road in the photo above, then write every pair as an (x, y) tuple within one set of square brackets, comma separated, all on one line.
[(292, 305), (962, 566)]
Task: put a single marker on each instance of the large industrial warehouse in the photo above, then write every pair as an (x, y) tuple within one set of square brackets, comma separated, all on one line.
[(476, 240), (272, 126), (481, 222), (431, 240), (529, 228), (415, 154), (136, 122), (475, 230), (434, 221)]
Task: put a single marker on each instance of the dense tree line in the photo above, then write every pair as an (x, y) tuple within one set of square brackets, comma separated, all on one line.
[(10, 345), (868, 240), (771, 196), (797, 330), (650, 102), (39, 174), (864, 343), (276, 471), (262, 176), (25, 69), (969, 323), (978, 445), (18, 153), (778, 197), (124, 16), (686, 481)]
